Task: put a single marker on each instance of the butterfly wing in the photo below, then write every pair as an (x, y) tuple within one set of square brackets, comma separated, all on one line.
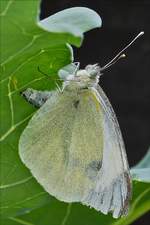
[(60, 145), (113, 185), (74, 149)]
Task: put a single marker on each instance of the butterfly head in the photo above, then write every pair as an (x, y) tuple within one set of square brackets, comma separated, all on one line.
[(84, 78)]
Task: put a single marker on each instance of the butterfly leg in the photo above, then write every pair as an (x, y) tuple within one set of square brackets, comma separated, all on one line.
[(36, 98)]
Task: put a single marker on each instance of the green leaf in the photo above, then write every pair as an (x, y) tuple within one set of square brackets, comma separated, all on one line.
[(25, 45), (60, 22), (59, 213), (141, 172), (145, 162)]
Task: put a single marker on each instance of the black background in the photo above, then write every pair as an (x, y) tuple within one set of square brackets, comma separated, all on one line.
[(127, 83)]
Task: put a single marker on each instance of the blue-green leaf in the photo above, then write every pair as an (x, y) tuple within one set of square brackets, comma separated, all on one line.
[(141, 172)]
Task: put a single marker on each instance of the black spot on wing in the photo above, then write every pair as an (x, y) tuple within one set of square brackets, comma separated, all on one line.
[(95, 165), (93, 168), (76, 103)]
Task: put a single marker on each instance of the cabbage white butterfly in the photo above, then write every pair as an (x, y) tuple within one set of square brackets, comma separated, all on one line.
[(73, 144)]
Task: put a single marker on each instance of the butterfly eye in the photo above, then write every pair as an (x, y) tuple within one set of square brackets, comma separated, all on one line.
[(93, 73), (92, 70)]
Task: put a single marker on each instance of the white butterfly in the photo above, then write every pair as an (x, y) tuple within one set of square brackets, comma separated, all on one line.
[(73, 144)]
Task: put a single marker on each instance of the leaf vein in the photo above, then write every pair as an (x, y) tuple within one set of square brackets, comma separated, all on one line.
[(20, 202), (11, 102), (20, 221), (9, 174), (6, 8), (22, 64), (21, 50), (22, 29), (26, 85), (16, 183), (11, 129), (67, 214)]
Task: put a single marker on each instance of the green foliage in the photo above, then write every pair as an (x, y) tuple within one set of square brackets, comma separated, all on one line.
[(59, 213), (25, 46)]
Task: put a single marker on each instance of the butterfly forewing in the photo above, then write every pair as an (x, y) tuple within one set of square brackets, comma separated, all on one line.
[(63, 143), (73, 147)]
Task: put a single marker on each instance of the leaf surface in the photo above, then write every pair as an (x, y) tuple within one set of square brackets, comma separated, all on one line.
[(25, 45), (59, 213)]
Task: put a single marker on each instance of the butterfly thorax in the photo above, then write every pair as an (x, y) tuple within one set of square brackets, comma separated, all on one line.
[(83, 79)]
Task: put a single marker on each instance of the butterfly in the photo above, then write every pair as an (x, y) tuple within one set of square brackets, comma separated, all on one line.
[(73, 144)]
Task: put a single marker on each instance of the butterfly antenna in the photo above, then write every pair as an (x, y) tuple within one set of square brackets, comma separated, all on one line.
[(120, 54), (42, 72)]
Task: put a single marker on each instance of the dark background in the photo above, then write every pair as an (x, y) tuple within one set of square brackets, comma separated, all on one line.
[(127, 83)]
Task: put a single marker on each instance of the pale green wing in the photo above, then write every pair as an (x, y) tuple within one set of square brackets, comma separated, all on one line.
[(62, 144), (113, 186)]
